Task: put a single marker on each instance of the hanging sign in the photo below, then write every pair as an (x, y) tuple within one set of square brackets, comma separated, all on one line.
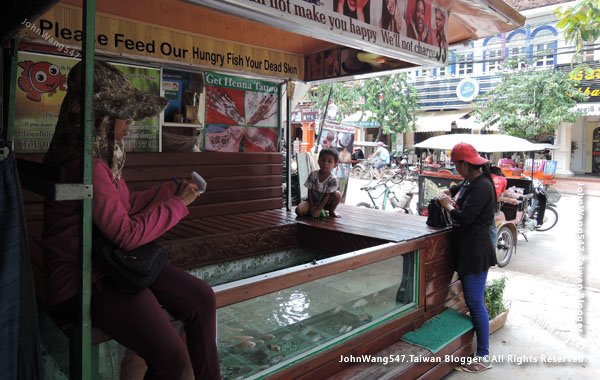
[(410, 30), (61, 27), (340, 138)]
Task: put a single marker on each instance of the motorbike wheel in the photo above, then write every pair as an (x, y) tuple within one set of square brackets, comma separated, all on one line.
[(550, 219), (505, 246), (364, 204)]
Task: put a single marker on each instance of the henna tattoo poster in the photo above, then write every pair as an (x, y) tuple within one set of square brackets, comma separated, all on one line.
[(242, 115)]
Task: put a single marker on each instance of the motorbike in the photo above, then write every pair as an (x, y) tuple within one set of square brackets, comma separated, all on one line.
[(532, 212)]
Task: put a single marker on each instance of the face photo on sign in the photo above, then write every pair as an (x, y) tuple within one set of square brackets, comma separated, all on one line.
[(393, 16), (224, 106), (419, 21), (345, 142), (357, 9), (223, 138), (439, 28)]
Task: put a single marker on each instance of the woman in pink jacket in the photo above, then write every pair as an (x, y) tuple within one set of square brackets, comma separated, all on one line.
[(129, 220)]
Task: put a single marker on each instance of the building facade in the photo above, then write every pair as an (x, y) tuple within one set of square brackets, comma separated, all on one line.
[(446, 93)]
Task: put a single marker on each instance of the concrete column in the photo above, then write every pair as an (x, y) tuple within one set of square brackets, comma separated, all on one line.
[(562, 153)]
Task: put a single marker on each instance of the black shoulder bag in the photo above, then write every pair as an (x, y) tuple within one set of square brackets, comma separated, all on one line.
[(128, 271), (437, 216)]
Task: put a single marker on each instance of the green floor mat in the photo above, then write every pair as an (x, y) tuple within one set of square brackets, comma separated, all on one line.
[(439, 331)]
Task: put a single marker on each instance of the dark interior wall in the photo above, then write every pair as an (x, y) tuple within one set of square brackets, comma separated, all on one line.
[(15, 12)]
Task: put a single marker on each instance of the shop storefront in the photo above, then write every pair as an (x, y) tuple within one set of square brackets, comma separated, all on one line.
[(578, 143)]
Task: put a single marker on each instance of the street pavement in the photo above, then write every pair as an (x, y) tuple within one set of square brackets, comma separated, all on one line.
[(553, 288)]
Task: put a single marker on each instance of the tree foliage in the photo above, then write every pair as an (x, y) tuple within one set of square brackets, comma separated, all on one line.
[(530, 103), (580, 23), (392, 100)]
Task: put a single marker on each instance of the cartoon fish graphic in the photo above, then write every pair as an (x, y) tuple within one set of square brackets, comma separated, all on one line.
[(40, 78)]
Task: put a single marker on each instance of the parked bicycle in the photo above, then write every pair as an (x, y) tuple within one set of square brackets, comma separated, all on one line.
[(383, 195), (364, 170)]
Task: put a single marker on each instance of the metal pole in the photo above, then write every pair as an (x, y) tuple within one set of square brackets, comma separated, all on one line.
[(289, 148), (84, 333), (316, 150), (10, 122)]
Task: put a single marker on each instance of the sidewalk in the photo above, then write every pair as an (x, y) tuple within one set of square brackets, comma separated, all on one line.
[(541, 339), (589, 184)]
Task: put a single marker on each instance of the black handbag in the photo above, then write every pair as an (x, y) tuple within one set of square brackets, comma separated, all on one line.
[(437, 216), (128, 271)]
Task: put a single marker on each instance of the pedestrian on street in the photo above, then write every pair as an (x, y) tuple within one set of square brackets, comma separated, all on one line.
[(473, 216)]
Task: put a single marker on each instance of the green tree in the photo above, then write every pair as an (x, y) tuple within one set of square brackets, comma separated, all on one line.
[(343, 95), (580, 23), (530, 103), (392, 100)]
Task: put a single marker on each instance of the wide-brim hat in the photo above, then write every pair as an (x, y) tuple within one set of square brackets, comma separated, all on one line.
[(466, 152), (115, 96)]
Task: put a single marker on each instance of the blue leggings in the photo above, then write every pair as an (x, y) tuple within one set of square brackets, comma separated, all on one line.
[(473, 288)]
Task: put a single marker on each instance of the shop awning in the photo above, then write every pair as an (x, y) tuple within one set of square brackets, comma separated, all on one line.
[(438, 121), (360, 119)]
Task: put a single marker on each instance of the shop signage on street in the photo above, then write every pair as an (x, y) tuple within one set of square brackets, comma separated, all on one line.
[(61, 27), (399, 30)]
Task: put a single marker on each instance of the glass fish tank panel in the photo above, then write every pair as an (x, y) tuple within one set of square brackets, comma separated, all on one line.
[(261, 335)]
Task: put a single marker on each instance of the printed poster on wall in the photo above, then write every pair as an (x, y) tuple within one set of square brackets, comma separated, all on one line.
[(340, 138), (242, 115), (41, 88)]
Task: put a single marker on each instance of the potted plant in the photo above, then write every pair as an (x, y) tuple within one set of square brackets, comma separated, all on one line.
[(494, 302)]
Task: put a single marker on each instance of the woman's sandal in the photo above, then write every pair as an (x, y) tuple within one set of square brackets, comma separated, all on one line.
[(476, 366)]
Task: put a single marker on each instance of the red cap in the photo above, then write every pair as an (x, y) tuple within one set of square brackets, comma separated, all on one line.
[(466, 152)]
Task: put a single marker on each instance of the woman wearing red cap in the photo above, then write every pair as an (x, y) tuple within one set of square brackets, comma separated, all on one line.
[(473, 217)]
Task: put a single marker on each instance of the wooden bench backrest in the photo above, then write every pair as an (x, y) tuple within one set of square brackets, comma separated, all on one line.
[(237, 182)]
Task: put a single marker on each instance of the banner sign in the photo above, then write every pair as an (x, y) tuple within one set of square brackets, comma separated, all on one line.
[(410, 30), (242, 115), (41, 88), (587, 78), (340, 138), (61, 27)]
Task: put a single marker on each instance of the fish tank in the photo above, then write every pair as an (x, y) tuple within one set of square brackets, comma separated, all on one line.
[(262, 335), (278, 309)]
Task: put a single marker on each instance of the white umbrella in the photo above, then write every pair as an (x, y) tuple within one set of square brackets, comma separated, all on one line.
[(482, 143)]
